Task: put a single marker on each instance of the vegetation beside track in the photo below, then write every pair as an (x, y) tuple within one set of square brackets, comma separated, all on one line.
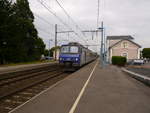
[(24, 63)]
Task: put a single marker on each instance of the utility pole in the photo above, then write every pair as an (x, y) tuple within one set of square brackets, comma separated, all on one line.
[(49, 49), (55, 41), (102, 45), (105, 46)]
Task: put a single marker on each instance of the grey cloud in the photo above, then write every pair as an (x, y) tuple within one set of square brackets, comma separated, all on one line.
[(121, 17)]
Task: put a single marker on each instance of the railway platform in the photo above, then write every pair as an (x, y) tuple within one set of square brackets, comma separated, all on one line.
[(92, 89)]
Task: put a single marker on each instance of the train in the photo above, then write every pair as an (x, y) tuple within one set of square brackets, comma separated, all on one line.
[(76, 55)]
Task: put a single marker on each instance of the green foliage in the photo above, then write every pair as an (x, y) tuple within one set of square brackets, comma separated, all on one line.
[(19, 41), (4, 19), (55, 48), (46, 52), (119, 60), (146, 53)]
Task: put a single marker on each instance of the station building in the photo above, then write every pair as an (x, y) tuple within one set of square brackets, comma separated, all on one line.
[(123, 46)]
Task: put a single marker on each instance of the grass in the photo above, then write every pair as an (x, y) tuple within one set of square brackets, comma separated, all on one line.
[(23, 63)]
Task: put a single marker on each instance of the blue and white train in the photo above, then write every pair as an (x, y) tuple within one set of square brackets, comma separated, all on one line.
[(75, 55)]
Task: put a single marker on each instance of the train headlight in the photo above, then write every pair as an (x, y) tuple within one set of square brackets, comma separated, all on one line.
[(76, 59)]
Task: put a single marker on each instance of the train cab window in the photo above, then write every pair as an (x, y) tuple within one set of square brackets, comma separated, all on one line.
[(74, 49), (65, 49)]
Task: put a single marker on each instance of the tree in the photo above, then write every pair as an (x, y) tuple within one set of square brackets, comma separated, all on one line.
[(19, 39), (23, 10), (53, 49), (31, 46), (46, 52), (4, 19), (27, 33), (146, 53)]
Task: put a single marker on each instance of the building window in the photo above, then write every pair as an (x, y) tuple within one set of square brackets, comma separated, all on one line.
[(124, 44), (125, 55)]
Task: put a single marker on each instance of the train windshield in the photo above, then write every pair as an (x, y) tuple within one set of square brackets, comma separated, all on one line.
[(74, 49), (65, 49), (69, 49)]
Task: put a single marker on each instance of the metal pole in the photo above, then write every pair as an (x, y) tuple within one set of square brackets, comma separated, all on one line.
[(105, 46), (101, 53), (49, 49), (55, 41), (105, 42)]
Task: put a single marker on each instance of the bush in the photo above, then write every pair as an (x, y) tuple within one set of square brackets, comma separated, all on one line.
[(146, 53), (119, 60)]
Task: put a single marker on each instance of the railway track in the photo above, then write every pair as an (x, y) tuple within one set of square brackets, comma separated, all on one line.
[(9, 75), (17, 88)]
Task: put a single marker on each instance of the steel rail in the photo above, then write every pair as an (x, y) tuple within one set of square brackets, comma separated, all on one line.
[(19, 86)]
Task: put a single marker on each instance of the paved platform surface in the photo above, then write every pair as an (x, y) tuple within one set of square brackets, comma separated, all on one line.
[(8, 69), (92, 90)]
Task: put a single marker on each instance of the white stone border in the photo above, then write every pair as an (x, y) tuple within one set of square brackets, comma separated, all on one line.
[(137, 76)]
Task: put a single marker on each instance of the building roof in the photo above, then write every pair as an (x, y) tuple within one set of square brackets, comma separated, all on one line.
[(127, 40), (120, 37)]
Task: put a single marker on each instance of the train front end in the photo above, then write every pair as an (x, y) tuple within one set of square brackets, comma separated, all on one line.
[(69, 56)]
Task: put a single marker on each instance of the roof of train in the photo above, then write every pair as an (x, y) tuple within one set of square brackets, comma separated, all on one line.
[(73, 44), (76, 44)]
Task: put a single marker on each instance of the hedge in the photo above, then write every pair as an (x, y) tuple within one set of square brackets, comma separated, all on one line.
[(119, 60)]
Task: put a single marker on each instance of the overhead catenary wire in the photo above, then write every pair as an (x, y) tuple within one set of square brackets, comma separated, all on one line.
[(48, 33), (69, 16), (41, 18), (51, 12), (41, 29), (98, 15)]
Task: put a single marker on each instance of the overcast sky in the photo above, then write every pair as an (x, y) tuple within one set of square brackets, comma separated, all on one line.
[(121, 17)]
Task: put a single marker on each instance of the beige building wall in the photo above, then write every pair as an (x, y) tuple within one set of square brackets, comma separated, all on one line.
[(57, 54), (112, 42), (131, 50)]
